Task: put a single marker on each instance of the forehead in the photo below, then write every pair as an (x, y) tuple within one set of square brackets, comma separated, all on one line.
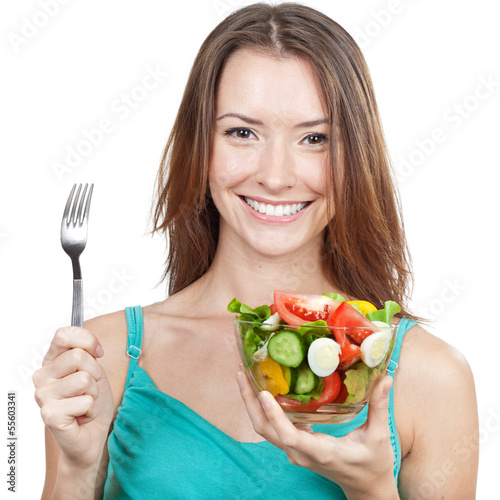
[(256, 82)]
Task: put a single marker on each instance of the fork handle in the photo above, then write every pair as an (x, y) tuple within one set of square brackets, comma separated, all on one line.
[(77, 312)]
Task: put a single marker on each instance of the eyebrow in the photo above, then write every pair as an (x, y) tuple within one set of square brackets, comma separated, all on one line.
[(253, 121)]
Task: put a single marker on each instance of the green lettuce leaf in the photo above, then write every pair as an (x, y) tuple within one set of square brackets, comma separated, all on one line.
[(357, 380), (260, 313), (253, 336), (335, 296), (318, 328), (390, 309), (251, 343)]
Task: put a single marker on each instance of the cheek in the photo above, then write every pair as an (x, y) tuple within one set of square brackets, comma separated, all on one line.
[(315, 175), (229, 167)]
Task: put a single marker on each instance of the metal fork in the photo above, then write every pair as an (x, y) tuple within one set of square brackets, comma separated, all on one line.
[(73, 240)]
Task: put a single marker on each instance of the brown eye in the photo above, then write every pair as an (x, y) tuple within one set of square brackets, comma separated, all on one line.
[(239, 133), (315, 139)]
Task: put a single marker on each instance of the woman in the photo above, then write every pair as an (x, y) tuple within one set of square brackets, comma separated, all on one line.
[(275, 176)]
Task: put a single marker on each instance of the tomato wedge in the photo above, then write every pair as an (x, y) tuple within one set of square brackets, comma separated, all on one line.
[(297, 309), (342, 396), (328, 394), (349, 355), (345, 315)]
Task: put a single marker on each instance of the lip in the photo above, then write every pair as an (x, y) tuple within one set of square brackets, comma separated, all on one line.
[(272, 202), (273, 219)]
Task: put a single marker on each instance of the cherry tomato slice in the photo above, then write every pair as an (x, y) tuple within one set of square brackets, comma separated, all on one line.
[(297, 309), (345, 315), (349, 355)]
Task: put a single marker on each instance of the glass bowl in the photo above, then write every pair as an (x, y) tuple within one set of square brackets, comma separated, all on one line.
[(357, 378)]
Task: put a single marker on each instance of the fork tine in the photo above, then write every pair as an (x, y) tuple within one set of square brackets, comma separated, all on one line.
[(87, 205), (68, 205), (78, 218), (73, 210)]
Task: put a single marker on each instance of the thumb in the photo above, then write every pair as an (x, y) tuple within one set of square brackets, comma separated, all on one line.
[(379, 404)]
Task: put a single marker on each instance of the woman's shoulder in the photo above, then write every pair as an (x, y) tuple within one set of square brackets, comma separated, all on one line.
[(433, 385), (111, 331), (431, 357), (431, 372)]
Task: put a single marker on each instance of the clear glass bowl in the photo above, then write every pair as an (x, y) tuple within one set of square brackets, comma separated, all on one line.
[(329, 413)]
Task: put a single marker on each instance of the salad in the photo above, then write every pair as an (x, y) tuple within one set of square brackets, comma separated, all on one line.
[(309, 350)]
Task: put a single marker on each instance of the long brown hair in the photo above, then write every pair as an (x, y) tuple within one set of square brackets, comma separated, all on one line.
[(365, 251)]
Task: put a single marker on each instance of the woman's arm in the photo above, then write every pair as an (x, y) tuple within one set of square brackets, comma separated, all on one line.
[(63, 475), (361, 462), (434, 389), (436, 417)]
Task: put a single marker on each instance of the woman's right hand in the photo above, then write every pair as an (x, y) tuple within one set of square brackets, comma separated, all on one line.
[(75, 397)]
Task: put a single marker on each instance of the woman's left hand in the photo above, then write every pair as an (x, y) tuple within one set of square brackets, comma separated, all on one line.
[(361, 462)]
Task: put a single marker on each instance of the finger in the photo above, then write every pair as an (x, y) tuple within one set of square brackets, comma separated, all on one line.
[(301, 426), (71, 337), (378, 407), (254, 409), (76, 384), (61, 414), (288, 433), (71, 361), (298, 441)]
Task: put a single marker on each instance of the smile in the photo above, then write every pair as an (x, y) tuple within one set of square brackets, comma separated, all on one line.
[(275, 210)]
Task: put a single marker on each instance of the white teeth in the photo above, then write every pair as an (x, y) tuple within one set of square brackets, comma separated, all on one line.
[(278, 211), (275, 210)]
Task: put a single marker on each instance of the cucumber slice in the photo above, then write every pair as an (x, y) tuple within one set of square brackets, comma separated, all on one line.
[(287, 348), (306, 381), (290, 375)]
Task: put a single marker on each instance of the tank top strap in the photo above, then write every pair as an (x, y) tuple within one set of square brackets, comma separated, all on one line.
[(404, 325), (134, 339)]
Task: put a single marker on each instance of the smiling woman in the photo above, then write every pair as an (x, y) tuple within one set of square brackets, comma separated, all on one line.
[(268, 171), (328, 87), (275, 172)]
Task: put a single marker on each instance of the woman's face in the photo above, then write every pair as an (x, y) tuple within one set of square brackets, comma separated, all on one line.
[(268, 168)]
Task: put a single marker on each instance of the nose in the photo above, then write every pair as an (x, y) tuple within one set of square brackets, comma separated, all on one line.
[(276, 168)]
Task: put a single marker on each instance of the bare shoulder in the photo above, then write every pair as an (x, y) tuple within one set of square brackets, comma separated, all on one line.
[(433, 358), (111, 330), (436, 415)]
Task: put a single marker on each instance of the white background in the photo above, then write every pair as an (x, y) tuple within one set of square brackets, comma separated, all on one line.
[(67, 66)]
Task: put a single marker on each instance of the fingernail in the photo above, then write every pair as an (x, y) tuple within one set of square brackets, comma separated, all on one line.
[(265, 399), (240, 378), (99, 351)]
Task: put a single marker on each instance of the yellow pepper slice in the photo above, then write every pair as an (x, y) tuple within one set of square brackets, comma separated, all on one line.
[(364, 306), (269, 376)]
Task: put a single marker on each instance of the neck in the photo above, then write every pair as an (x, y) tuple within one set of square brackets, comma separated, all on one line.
[(252, 277)]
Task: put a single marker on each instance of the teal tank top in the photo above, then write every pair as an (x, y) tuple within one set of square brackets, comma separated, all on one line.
[(161, 449)]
